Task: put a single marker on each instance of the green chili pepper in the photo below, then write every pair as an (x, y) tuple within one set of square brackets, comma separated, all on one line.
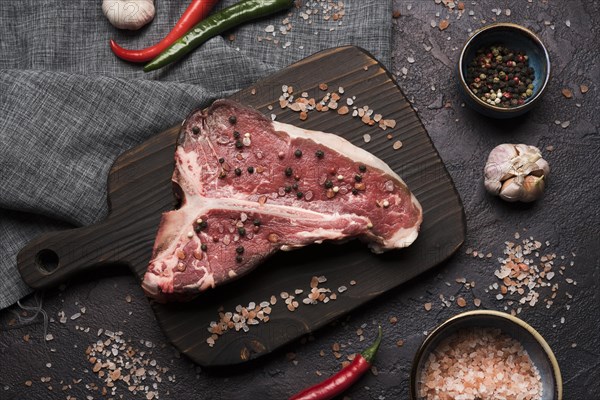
[(224, 20)]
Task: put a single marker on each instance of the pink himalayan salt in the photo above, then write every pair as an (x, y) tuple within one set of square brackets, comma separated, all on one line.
[(480, 363)]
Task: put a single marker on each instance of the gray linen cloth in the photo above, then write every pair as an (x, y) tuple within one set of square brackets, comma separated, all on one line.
[(69, 107)]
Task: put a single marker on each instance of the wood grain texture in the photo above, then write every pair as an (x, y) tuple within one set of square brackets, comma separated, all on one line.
[(140, 190)]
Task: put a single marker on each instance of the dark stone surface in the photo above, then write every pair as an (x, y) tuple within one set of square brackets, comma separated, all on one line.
[(567, 216)]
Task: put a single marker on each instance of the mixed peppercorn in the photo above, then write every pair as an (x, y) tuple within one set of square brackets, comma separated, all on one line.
[(501, 77)]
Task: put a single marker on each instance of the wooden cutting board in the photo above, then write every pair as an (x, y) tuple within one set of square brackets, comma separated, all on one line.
[(139, 190)]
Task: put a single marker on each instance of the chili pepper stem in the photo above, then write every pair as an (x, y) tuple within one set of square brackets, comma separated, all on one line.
[(369, 353)]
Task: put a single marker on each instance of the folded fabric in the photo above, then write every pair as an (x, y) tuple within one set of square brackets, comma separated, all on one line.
[(69, 107)]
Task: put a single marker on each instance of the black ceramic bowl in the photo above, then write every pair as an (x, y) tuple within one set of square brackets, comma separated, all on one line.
[(538, 349), (516, 38)]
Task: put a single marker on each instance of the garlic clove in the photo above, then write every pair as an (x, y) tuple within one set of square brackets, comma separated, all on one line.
[(543, 168), (511, 190), (128, 14), (533, 188), (492, 186), (499, 171)]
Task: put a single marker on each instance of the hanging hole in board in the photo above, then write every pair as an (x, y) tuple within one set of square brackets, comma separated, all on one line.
[(46, 260)]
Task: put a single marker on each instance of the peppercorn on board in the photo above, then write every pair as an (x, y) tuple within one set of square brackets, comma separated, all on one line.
[(139, 191)]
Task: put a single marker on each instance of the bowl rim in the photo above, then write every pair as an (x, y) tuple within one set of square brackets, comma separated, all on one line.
[(469, 314), (523, 30)]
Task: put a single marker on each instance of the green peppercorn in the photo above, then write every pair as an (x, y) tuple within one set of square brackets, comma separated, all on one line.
[(358, 178), (319, 154), (240, 250), (298, 153), (362, 168), (221, 160), (195, 130), (355, 191), (236, 134), (239, 144), (239, 258), (299, 194), (288, 189), (238, 171), (295, 186), (232, 119), (328, 184), (251, 170), (256, 222), (289, 171), (203, 247), (242, 231)]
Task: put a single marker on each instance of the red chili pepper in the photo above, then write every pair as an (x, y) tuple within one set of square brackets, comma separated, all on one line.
[(196, 12), (341, 381)]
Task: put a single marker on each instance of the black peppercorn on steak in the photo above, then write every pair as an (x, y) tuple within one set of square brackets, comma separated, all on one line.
[(249, 186)]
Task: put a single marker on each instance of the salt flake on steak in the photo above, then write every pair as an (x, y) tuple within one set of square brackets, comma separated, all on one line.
[(249, 186)]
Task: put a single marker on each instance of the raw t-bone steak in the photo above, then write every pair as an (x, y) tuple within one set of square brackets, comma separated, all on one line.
[(249, 187)]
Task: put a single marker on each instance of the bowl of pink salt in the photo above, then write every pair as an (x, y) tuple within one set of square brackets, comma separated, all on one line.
[(481, 355)]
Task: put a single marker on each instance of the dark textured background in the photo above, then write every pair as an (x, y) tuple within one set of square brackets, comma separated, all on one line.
[(567, 217)]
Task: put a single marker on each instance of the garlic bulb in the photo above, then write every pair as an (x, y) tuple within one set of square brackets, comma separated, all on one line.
[(516, 172), (128, 14)]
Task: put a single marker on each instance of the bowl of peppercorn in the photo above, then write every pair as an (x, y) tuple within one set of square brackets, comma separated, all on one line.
[(503, 70)]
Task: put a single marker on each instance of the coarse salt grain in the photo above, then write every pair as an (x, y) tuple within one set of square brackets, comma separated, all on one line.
[(480, 363)]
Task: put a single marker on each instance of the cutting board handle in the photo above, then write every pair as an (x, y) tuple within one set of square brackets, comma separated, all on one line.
[(54, 257)]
